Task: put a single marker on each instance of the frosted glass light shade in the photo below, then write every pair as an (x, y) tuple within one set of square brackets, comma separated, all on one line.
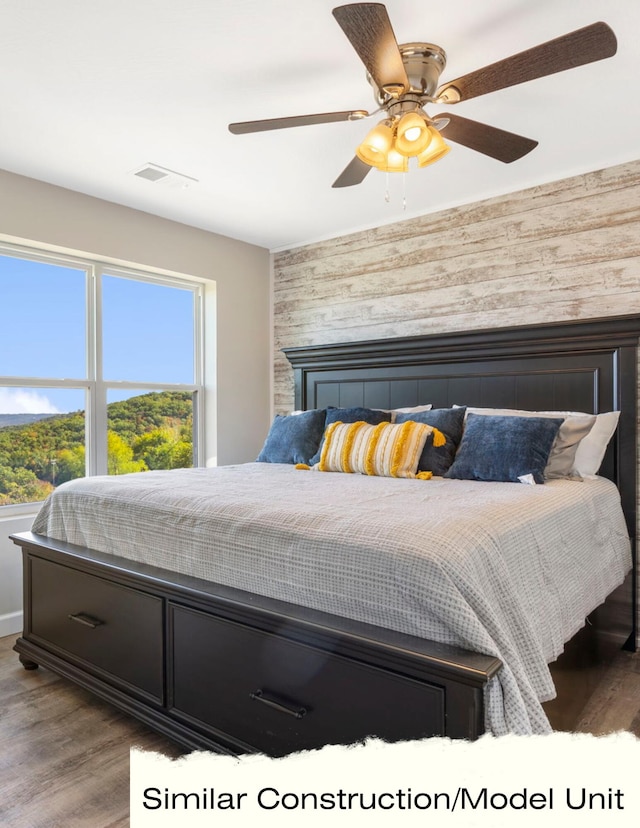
[(435, 150), (413, 136), (394, 162), (376, 145)]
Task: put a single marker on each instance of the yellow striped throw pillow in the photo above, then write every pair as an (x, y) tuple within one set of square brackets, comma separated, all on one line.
[(385, 450)]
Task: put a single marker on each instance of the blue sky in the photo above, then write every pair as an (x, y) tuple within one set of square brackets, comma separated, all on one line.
[(147, 333)]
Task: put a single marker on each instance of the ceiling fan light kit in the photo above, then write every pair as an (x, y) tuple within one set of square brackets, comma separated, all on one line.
[(390, 144), (405, 80)]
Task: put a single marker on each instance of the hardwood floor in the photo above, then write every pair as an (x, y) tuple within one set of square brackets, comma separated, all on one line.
[(64, 755), (64, 760), (615, 704)]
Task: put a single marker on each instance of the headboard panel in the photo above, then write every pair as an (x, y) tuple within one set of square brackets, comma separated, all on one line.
[(576, 366), (524, 383)]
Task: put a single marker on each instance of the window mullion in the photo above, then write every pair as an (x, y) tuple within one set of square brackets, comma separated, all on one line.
[(97, 404), (198, 350)]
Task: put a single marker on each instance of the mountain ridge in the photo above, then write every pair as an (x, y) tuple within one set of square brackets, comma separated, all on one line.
[(23, 418)]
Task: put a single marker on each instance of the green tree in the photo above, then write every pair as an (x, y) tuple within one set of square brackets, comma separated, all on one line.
[(120, 456), (181, 455), (21, 486), (163, 449), (70, 464)]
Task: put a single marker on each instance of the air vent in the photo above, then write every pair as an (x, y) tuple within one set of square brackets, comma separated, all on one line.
[(161, 175), (151, 174)]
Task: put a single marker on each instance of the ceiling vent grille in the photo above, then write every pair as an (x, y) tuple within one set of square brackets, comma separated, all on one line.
[(161, 175)]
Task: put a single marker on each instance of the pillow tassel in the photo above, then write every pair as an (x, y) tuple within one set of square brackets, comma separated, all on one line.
[(426, 475), (438, 438), (303, 466)]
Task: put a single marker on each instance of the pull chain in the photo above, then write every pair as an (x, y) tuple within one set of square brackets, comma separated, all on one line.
[(387, 193)]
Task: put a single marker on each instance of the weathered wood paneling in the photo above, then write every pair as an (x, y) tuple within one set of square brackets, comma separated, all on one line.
[(567, 250)]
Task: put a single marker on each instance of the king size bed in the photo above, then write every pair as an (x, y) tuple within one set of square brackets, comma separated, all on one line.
[(289, 608)]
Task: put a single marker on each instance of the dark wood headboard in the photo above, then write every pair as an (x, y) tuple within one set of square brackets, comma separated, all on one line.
[(572, 366)]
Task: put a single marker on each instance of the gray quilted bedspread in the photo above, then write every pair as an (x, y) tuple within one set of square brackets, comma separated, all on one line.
[(506, 569)]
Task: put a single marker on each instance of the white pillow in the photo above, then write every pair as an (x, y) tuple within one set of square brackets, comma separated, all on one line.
[(415, 409), (591, 450), (575, 428)]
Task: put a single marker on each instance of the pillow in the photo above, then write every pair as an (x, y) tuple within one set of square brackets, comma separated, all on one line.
[(504, 448), (575, 427), (591, 450), (293, 438), (450, 421), (385, 450), (414, 409), (351, 415)]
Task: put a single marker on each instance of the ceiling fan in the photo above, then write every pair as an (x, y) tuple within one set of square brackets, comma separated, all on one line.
[(406, 78)]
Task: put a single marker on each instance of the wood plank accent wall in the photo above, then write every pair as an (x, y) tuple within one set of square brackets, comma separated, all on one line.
[(567, 250)]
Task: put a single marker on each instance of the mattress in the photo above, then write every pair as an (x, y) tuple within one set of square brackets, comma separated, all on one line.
[(506, 569)]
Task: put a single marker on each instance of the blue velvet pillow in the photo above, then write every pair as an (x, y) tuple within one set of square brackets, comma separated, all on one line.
[(450, 421), (504, 448), (293, 438), (351, 415)]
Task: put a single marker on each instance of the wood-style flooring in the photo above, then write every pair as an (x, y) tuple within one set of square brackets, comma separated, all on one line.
[(64, 755)]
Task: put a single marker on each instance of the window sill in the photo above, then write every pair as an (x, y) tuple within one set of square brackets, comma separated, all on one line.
[(19, 510)]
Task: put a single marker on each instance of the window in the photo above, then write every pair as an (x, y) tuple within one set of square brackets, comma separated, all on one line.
[(100, 372)]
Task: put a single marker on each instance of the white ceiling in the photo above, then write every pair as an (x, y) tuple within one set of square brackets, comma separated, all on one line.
[(92, 91)]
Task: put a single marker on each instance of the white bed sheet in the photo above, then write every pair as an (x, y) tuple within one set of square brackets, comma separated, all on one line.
[(506, 569)]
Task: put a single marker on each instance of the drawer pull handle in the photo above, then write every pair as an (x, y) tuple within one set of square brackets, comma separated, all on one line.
[(85, 620), (266, 698)]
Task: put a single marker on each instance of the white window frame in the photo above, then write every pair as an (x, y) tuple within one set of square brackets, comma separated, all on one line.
[(95, 386)]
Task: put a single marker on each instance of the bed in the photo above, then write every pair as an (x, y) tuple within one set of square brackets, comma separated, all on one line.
[(234, 651)]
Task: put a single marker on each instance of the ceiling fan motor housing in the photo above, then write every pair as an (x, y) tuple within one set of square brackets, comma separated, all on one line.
[(423, 63)]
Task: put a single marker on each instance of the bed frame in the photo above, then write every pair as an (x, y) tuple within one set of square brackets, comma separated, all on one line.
[(184, 655)]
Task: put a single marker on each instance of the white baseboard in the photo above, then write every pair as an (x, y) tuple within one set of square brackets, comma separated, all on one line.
[(10, 624)]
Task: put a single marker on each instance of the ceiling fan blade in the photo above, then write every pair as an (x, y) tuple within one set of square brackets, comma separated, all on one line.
[(244, 127), (354, 173), (369, 30), (489, 140), (594, 42)]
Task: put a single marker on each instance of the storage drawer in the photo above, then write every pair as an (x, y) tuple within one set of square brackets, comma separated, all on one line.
[(111, 627), (279, 696)]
